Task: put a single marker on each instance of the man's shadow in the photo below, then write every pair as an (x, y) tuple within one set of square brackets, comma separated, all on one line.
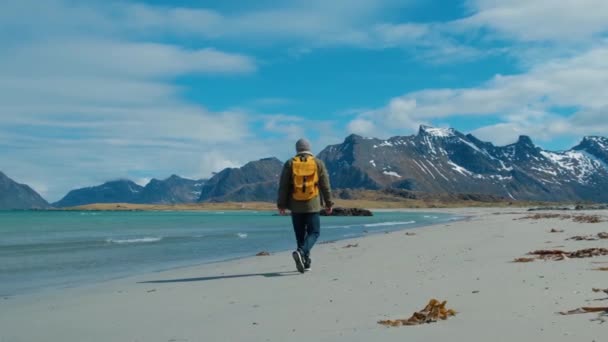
[(230, 276)]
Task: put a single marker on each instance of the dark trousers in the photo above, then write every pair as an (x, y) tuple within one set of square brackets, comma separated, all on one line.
[(307, 227)]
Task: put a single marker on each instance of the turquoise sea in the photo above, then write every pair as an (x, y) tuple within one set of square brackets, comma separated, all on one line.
[(51, 249)]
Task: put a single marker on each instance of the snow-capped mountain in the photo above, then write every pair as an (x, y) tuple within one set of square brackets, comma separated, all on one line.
[(436, 160), (439, 160)]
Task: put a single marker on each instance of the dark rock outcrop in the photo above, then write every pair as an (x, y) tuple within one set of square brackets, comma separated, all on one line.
[(347, 212), (591, 207), (19, 196)]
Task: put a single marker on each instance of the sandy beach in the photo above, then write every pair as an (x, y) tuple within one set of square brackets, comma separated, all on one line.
[(384, 276)]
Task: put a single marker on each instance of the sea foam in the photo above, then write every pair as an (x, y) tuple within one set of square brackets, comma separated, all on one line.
[(382, 224), (135, 240)]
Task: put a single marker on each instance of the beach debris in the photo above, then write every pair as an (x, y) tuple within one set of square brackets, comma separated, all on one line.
[(585, 309), (350, 245), (601, 269), (263, 253), (602, 310), (347, 212), (523, 259), (543, 216), (600, 290), (432, 312), (587, 219), (583, 238), (153, 290), (558, 254), (598, 236), (554, 230), (575, 218), (410, 233)]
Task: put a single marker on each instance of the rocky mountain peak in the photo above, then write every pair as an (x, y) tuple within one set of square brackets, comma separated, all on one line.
[(353, 139), (594, 146), (435, 132), (18, 196), (524, 141), (592, 142), (174, 177), (256, 180)]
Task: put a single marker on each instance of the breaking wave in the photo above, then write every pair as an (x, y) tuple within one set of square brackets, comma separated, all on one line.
[(382, 224), (136, 240)]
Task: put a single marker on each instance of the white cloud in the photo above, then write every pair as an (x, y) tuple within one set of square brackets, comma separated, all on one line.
[(362, 127), (292, 127), (525, 102), (298, 25), (79, 106), (542, 20), (88, 90), (319, 21), (119, 59)]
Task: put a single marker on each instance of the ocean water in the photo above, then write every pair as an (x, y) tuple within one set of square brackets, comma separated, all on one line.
[(42, 250)]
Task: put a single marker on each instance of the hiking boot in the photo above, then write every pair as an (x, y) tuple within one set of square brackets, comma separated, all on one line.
[(297, 257), (307, 262)]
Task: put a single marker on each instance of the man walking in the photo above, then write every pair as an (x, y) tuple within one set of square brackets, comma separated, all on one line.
[(304, 188)]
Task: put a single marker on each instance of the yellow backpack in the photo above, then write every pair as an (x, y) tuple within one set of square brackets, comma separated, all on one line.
[(305, 178)]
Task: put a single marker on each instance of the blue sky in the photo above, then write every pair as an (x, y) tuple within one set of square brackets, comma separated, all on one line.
[(98, 90)]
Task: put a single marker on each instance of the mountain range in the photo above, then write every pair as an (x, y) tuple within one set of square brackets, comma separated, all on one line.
[(435, 160), (439, 160), (172, 190)]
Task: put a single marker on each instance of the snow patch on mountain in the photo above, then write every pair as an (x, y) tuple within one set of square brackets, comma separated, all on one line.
[(459, 169), (424, 168), (576, 163), (392, 174), (551, 172), (504, 167), (594, 159), (438, 132), (600, 141), (436, 169)]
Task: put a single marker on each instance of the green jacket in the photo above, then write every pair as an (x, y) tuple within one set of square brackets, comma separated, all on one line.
[(286, 201)]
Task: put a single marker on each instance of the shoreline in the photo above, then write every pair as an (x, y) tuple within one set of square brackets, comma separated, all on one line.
[(387, 276), (180, 265), (371, 203)]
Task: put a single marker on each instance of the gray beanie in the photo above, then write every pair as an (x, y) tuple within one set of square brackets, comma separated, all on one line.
[(302, 145)]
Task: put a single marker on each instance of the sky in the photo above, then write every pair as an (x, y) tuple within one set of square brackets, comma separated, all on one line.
[(97, 90)]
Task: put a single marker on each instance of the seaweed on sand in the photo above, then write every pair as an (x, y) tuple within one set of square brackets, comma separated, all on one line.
[(432, 312)]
